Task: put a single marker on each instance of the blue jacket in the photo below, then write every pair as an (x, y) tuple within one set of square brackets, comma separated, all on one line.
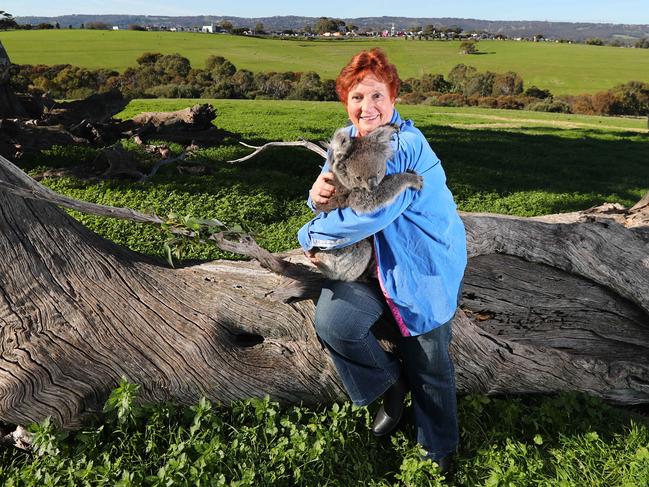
[(419, 239)]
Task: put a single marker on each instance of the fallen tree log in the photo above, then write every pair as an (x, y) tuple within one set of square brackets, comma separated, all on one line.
[(197, 117), (29, 124), (550, 304)]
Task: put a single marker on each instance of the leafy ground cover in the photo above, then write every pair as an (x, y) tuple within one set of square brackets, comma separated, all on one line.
[(521, 163), (565, 440), (562, 68)]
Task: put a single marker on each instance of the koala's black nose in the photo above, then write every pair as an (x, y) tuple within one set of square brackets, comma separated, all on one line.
[(373, 182)]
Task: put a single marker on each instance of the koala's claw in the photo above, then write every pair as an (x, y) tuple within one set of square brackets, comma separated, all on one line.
[(416, 181)]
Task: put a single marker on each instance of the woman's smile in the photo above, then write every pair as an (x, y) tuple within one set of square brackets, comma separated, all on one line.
[(369, 104)]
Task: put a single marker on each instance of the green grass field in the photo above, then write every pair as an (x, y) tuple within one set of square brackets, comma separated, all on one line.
[(501, 161), (522, 163), (561, 68)]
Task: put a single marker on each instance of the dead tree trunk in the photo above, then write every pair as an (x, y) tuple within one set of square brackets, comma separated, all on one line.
[(548, 306)]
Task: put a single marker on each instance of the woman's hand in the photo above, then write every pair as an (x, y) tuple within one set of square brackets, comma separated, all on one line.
[(312, 256), (322, 189)]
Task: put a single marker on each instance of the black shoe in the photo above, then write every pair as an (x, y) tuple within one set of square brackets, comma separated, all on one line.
[(390, 412)]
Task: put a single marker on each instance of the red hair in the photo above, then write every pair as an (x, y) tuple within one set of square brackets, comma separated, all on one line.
[(373, 62)]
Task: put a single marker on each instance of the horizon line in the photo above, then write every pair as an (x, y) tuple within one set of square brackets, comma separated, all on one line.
[(322, 16)]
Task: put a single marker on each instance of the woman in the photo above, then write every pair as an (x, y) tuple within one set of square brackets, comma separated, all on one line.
[(420, 253)]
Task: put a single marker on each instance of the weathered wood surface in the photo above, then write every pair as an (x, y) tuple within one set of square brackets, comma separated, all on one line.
[(98, 108), (566, 310), (197, 117)]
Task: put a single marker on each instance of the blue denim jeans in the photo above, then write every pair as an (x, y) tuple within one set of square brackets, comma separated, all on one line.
[(344, 317)]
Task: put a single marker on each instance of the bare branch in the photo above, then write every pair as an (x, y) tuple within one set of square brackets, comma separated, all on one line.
[(300, 143), (246, 245), (642, 203), (42, 193), (164, 151), (32, 189), (163, 162)]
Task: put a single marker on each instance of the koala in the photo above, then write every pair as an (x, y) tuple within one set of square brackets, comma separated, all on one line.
[(359, 166)]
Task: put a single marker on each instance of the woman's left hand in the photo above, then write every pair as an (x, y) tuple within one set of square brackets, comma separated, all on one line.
[(312, 256)]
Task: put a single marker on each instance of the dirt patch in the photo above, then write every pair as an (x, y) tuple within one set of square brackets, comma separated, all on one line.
[(504, 122)]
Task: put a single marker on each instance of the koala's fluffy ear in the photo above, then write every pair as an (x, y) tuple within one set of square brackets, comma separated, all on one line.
[(383, 134), (341, 144)]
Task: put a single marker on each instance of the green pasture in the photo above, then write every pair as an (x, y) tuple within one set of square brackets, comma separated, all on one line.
[(561, 68), (513, 162), (502, 161)]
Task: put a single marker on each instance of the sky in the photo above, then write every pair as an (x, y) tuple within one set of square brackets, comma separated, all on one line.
[(601, 11)]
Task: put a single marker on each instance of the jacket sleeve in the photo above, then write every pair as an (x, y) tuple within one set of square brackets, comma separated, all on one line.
[(343, 227)]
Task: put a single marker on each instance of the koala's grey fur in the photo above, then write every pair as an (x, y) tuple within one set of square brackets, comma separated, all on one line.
[(359, 166)]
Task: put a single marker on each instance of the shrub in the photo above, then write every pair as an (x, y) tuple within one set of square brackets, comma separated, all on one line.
[(97, 26), (276, 86), (594, 41), (458, 76), (509, 102), (148, 58), (329, 90), (434, 82), (451, 100), (633, 97), (536, 92), (480, 84), (243, 82), (582, 104), (642, 43), (508, 83), (606, 103), (172, 66), (174, 91), (468, 47), (309, 87), (413, 98), (549, 105), (484, 101), (213, 61), (79, 93), (223, 70), (220, 89)]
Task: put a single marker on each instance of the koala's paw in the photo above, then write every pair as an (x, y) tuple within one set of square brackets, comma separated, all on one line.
[(416, 181)]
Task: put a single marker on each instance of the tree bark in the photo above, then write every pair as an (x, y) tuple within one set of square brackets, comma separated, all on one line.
[(550, 304)]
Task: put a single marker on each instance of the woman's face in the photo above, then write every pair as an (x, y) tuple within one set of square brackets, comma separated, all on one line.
[(369, 104)]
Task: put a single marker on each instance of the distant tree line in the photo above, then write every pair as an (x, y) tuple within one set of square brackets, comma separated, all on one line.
[(640, 43), (465, 86), (172, 76), (7, 21)]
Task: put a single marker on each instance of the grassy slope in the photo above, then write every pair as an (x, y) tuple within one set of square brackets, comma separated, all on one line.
[(562, 68)]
